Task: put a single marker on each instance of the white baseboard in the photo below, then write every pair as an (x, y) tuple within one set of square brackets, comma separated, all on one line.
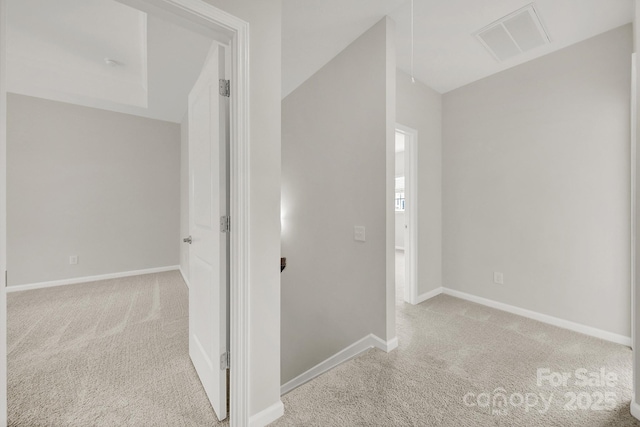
[(76, 280), (184, 277), (267, 416), (635, 408), (386, 346), (370, 341), (428, 295), (373, 341), (544, 318)]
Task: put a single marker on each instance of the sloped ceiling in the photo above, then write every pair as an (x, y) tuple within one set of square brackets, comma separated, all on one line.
[(57, 49), (315, 31), (447, 55)]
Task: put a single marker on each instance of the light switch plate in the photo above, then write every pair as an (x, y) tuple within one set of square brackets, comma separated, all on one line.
[(359, 234)]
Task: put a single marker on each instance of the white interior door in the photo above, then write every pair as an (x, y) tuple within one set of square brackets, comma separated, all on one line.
[(208, 252)]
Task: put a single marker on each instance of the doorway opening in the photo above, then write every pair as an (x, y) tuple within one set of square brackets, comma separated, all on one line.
[(232, 33), (406, 213)]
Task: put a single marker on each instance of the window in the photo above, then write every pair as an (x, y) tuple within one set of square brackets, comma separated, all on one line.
[(400, 202)]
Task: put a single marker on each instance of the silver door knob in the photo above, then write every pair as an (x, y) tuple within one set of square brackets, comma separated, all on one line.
[(187, 240)]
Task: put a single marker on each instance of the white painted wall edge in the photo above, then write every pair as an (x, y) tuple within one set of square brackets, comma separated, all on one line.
[(544, 318), (348, 353), (267, 416), (184, 277), (635, 408), (76, 280)]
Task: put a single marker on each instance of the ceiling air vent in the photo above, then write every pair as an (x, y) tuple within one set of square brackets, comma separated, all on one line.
[(514, 34)]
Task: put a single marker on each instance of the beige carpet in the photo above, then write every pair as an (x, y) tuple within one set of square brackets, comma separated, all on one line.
[(449, 348), (111, 353), (114, 353)]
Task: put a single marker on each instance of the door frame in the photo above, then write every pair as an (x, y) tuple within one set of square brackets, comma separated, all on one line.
[(3, 216), (635, 83), (633, 201), (411, 197), (237, 32)]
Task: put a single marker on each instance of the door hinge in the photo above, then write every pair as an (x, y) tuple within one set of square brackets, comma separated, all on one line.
[(6, 282), (225, 361), (225, 87), (225, 224)]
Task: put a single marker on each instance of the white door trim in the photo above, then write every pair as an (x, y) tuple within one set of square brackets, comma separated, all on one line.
[(238, 33), (633, 188), (411, 195), (3, 216)]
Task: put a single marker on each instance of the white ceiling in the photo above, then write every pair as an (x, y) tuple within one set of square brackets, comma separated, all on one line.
[(447, 55), (315, 31), (56, 50), (62, 45), (48, 42)]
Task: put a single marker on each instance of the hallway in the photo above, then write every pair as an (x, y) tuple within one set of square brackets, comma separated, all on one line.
[(115, 353), (450, 348)]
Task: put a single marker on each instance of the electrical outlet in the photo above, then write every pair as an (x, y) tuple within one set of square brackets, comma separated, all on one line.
[(359, 234), (73, 259), (498, 278)]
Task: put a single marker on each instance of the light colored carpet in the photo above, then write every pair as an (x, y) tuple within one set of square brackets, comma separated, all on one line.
[(115, 353), (448, 348), (111, 353)]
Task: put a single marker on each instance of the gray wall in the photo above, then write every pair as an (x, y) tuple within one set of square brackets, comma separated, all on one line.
[(420, 107), (265, 20), (88, 182), (536, 184), (334, 157)]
